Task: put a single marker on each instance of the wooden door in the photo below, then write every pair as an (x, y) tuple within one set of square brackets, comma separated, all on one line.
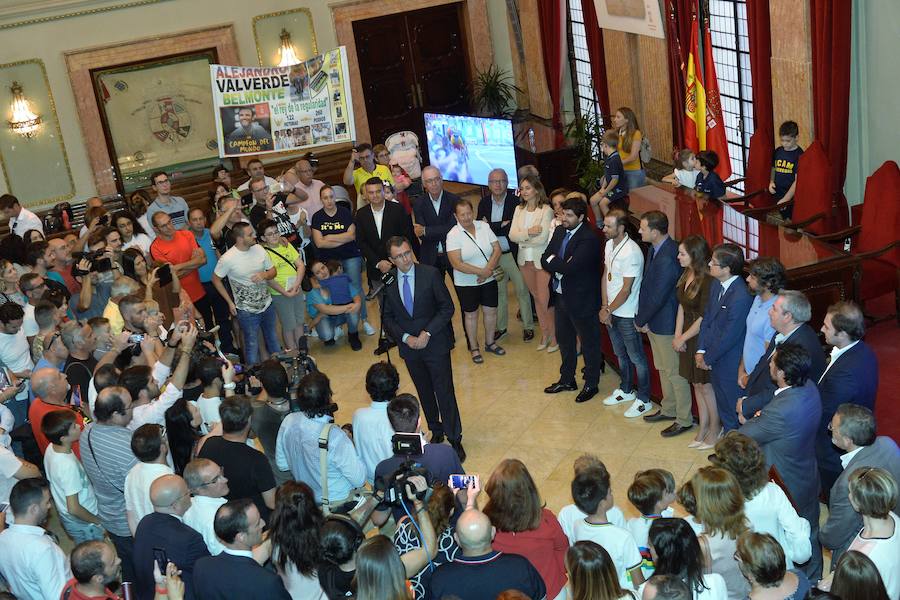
[(411, 63)]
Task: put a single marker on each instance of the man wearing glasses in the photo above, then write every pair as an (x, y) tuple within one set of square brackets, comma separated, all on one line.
[(174, 206), (209, 486), (33, 286)]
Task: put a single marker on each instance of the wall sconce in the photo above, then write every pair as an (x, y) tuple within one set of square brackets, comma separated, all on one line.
[(288, 54), (23, 122)]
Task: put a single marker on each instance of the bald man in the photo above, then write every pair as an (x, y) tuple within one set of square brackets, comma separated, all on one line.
[(313, 188), (481, 573), (50, 387), (164, 530), (61, 263)]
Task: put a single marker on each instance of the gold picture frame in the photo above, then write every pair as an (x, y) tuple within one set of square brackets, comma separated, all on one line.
[(47, 147), (267, 27)]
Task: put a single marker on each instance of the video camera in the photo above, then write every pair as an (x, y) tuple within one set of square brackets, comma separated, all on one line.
[(397, 486), (100, 263)]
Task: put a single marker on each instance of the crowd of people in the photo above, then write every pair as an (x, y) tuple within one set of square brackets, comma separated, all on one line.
[(146, 400)]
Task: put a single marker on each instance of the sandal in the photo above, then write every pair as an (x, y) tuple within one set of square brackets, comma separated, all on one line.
[(476, 356), (494, 349)]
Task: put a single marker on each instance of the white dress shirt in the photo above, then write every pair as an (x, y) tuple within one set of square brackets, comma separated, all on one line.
[(200, 517), (372, 434), (33, 565), (771, 512), (836, 354), (848, 456), (137, 488), (26, 221), (378, 215)]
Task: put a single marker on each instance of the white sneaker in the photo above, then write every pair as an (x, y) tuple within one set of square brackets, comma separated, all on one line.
[(313, 334), (368, 328), (618, 397), (638, 408)]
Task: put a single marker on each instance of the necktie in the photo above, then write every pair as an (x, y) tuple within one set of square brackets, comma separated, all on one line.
[(407, 295), (721, 293), (565, 243), (651, 254)]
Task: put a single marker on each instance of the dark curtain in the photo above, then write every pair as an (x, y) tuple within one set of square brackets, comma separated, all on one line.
[(597, 55), (551, 14), (831, 88), (759, 167), (678, 37)]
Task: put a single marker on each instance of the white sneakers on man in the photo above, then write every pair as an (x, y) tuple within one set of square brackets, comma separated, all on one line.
[(368, 328), (618, 397), (638, 408)]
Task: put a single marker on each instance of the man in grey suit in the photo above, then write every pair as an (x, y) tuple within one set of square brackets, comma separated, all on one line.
[(853, 431), (785, 429)]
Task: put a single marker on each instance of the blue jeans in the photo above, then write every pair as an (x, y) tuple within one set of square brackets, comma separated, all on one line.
[(629, 349), (327, 326), (636, 179), (80, 531), (353, 267), (250, 323)]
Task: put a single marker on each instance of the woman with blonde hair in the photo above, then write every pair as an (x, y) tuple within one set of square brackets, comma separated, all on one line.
[(524, 526), (692, 291), (592, 574), (630, 136), (761, 559), (720, 509), (530, 229)]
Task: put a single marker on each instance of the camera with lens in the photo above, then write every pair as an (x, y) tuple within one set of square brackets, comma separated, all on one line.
[(397, 486), (99, 263)]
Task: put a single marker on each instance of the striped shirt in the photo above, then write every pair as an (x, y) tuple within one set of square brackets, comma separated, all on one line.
[(110, 446)]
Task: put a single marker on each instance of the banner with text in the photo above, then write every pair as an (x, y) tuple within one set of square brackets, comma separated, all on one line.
[(275, 109)]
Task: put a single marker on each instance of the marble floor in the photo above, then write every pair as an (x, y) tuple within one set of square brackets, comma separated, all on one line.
[(505, 414)]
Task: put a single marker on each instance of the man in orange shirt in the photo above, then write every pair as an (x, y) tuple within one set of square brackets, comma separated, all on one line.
[(50, 388), (179, 248)]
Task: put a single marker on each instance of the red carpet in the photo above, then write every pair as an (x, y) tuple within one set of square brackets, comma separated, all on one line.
[(884, 339)]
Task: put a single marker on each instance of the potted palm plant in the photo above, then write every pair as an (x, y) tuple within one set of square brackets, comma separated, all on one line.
[(585, 131), (493, 93)]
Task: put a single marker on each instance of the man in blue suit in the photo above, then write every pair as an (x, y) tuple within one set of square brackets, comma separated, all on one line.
[(786, 431), (789, 316), (162, 530), (722, 330), (851, 377), (434, 217), (234, 573), (657, 309)]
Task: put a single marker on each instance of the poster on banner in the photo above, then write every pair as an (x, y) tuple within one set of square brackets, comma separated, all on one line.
[(642, 17), (275, 109)]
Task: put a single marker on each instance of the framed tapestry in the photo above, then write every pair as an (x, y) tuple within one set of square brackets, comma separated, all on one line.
[(157, 115)]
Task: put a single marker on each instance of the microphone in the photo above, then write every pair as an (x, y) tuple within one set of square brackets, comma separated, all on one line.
[(386, 280)]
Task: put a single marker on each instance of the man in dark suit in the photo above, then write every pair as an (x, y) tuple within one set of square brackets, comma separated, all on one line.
[(657, 310), (851, 376), (376, 223), (573, 260), (434, 217), (853, 431), (497, 209), (234, 573), (417, 312), (163, 530), (721, 340), (785, 430), (789, 316)]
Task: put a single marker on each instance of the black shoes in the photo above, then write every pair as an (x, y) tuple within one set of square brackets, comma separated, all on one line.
[(586, 394), (499, 334), (559, 386), (353, 338), (437, 437), (460, 451), (384, 344), (673, 430), (527, 335), (657, 416)]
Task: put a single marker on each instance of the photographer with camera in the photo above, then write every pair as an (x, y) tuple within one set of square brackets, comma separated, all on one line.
[(300, 442), (270, 408), (412, 453), (143, 382), (95, 273), (217, 380)]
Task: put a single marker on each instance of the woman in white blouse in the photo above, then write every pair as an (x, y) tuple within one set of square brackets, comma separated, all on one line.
[(530, 229), (765, 504), (474, 252)]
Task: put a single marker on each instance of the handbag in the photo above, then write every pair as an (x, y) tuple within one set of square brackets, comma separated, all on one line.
[(305, 283), (499, 273)]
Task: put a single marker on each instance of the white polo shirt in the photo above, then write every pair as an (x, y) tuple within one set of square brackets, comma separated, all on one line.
[(623, 260)]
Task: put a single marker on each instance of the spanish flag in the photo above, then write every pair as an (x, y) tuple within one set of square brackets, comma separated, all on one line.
[(695, 95), (716, 139)]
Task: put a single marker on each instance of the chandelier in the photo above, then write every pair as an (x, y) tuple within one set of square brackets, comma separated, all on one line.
[(23, 122)]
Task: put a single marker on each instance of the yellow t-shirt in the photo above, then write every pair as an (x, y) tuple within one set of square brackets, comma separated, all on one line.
[(361, 176), (634, 165), (285, 273)]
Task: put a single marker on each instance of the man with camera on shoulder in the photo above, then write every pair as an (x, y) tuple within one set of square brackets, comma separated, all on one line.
[(95, 272)]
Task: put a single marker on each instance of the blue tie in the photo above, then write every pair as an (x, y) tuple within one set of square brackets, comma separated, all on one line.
[(565, 242), (407, 295)]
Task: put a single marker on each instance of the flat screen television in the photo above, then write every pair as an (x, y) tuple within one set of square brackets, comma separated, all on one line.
[(466, 149)]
